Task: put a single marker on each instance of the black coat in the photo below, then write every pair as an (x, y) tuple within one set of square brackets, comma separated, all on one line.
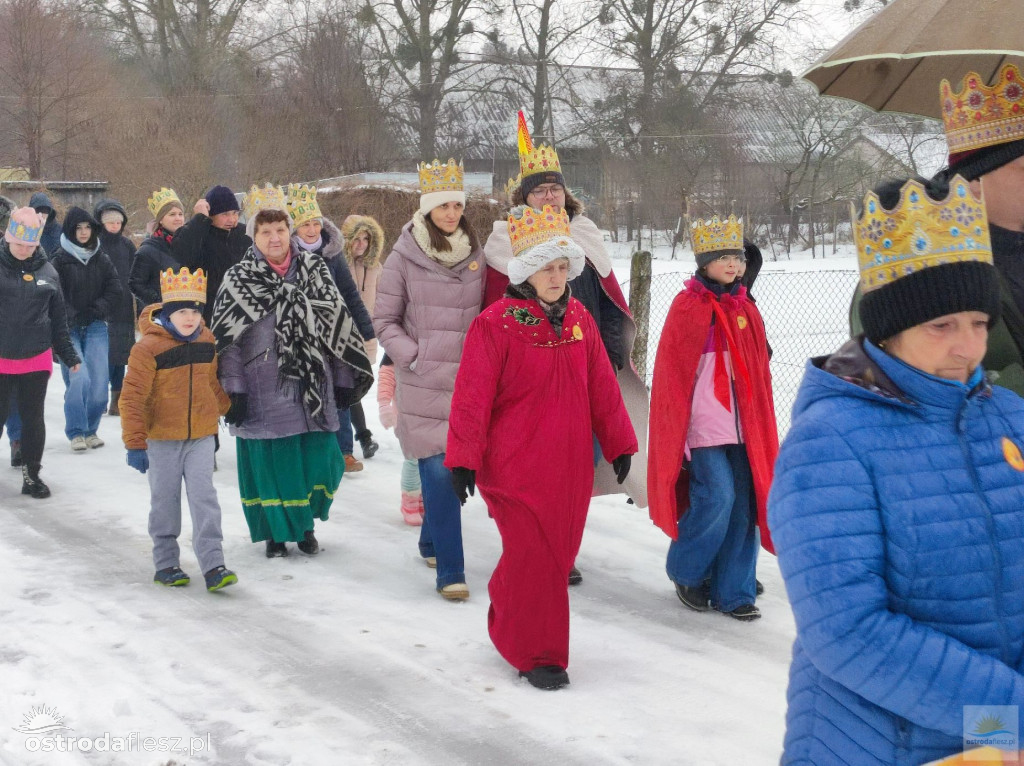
[(32, 315), (91, 288), (587, 289), (332, 251), (201, 245), (121, 251), (152, 257), (50, 241)]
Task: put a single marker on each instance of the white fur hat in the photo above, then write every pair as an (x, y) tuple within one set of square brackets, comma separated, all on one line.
[(538, 238), (430, 200)]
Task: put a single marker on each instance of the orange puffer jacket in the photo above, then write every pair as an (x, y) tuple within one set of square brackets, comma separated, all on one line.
[(170, 389)]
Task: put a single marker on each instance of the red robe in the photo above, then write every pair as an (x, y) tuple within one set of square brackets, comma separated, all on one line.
[(675, 373), (525, 405)]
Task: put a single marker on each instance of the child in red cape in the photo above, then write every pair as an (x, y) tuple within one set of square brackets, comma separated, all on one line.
[(534, 385), (713, 438)]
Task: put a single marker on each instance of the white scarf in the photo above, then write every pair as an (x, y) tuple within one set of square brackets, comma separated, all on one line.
[(459, 240)]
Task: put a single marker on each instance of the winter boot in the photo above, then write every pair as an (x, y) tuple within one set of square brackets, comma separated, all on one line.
[(219, 577), (115, 396), (276, 550), (694, 598), (351, 464), (575, 576), (547, 677), (412, 511), (16, 460), (457, 591), (745, 612), (31, 484), (370, 447), (309, 545)]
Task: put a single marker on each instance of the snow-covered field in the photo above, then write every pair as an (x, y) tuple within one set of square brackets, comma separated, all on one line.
[(350, 657)]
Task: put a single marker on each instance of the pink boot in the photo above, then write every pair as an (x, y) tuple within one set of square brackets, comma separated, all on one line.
[(412, 509)]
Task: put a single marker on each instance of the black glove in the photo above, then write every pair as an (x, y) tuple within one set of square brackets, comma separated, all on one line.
[(237, 411), (464, 482), (621, 466)]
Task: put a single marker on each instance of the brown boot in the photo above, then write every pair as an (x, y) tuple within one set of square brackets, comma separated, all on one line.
[(352, 464), (115, 397)]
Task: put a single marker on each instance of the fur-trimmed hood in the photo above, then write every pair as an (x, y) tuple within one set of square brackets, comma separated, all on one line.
[(351, 227)]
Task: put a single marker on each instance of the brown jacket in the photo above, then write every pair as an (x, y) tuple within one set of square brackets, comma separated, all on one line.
[(170, 389)]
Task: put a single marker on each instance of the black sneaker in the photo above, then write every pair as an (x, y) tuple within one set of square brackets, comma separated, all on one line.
[(276, 550), (32, 485), (745, 612), (575, 576), (370, 447), (759, 587), (219, 577), (16, 460), (171, 576), (547, 677), (309, 545), (694, 598)]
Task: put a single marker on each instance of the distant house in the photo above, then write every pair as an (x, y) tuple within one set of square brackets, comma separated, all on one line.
[(64, 194)]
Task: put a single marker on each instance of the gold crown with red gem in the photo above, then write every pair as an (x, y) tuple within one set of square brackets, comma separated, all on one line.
[(536, 226), (919, 233), (982, 115), (717, 234), (183, 286), (435, 177)]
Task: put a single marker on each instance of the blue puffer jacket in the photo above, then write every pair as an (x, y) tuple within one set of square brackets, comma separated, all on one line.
[(898, 518)]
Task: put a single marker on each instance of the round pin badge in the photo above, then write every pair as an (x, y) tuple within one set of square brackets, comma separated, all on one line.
[(474, 265), (27, 277), (1012, 454), (577, 333), (741, 322)]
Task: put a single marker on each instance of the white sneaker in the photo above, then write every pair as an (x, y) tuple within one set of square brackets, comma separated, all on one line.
[(93, 441), (78, 444)]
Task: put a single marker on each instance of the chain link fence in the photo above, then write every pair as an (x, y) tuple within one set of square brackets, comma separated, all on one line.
[(805, 313)]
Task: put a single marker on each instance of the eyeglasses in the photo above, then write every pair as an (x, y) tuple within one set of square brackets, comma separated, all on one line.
[(551, 190), (730, 258)]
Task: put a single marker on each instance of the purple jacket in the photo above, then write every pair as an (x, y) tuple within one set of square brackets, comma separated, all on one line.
[(421, 317), (249, 366)]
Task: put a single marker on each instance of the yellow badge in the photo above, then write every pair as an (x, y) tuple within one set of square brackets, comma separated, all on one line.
[(741, 322), (577, 333), (1012, 454), (27, 277), (474, 265)]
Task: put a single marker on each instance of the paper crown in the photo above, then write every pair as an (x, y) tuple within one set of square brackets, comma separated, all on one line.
[(25, 233), (919, 233), (982, 115), (302, 204), (532, 159), (160, 199), (435, 177), (535, 227), (717, 234), (268, 197), (183, 286)]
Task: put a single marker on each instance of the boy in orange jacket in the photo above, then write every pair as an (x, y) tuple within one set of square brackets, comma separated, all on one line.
[(170, 403)]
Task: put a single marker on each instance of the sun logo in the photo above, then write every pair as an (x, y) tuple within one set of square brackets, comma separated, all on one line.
[(989, 725), (42, 720), (1012, 454)]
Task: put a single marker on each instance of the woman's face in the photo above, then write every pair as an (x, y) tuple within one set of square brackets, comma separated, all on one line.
[(309, 232), (446, 217), (949, 347), (83, 232), (173, 221), (550, 281), (273, 240), (361, 243)]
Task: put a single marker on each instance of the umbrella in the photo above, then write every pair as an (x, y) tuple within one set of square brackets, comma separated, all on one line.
[(895, 60)]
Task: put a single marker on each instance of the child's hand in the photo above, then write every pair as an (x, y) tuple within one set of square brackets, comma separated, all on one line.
[(138, 459), (388, 415)]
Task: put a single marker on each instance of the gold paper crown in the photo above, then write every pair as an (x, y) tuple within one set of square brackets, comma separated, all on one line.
[(982, 115), (919, 233), (302, 204), (717, 234), (435, 177), (160, 199), (182, 286), (269, 197), (534, 227), (25, 233)]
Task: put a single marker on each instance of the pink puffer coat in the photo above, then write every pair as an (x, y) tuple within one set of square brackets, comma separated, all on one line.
[(422, 314)]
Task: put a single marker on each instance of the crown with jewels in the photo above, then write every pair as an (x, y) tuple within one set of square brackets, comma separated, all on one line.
[(983, 115), (183, 286), (302, 204), (717, 234), (919, 233), (532, 159), (536, 226), (268, 197), (161, 199), (435, 177)]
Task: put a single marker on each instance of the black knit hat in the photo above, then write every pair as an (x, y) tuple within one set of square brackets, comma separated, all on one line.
[(221, 200), (170, 308), (531, 182), (974, 164)]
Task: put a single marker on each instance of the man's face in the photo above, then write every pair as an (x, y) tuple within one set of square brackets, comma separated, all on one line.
[(1004, 195), (226, 221)]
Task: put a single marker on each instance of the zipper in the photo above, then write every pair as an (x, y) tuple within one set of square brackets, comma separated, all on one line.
[(189, 345), (961, 428)]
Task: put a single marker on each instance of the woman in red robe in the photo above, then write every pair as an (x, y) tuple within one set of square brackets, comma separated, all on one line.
[(534, 386)]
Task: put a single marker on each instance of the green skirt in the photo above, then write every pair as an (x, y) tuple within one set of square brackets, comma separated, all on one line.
[(287, 483)]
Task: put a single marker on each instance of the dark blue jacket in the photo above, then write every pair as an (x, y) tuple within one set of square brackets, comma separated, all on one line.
[(333, 252), (898, 518), (41, 203)]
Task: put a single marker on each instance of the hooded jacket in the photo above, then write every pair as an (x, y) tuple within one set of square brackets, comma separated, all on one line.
[(121, 252), (366, 268), (91, 287), (153, 256), (201, 245), (330, 251), (897, 518), (51, 231)]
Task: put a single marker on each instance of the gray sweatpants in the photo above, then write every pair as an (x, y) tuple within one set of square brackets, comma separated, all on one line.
[(169, 462)]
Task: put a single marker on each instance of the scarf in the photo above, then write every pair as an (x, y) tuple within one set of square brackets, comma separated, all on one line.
[(714, 294), (164, 320), (459, 240), (281, 269), (161, 233), (555, 312), (312, 324), (81, 253), (309, 248)]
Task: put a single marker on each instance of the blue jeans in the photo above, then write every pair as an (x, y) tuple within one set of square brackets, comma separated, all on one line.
[(85, 399), (344, 433), (14, 421), (441, 533), (718, 534)]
